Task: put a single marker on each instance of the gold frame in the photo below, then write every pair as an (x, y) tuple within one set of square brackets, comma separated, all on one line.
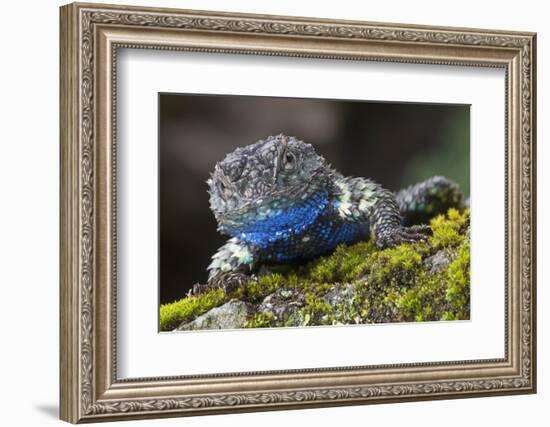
[(90, 36)]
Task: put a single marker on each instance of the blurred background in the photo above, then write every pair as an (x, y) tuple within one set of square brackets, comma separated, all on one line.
[(395, 144)]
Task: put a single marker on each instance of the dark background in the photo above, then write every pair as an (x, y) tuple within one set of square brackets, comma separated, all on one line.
[(395, 144)]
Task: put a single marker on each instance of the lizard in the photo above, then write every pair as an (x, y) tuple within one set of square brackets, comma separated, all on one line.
[(280, 202)]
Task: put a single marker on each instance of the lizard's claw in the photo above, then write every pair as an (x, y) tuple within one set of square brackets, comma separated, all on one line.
[(198, 288), (229, 282), (403, 234)]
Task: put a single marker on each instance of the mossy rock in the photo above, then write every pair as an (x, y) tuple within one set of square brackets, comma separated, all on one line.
[(356, 284)]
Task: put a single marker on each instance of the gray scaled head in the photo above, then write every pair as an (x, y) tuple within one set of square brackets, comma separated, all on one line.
[(262, 177)]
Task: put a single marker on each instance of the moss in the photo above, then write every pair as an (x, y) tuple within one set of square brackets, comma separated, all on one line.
[(424, 301), (342, 265), (317, 310), (173, 314), (256, 290), (449, 231), (261, 320), (390, 285), (458, 280)]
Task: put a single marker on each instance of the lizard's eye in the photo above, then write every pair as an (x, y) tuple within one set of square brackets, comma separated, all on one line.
[(290, 161)]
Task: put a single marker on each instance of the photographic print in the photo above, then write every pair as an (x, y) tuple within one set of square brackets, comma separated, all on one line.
[(288, 212), (268, 185)]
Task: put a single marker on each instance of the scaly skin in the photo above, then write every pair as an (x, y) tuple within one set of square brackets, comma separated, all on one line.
[(281, 202)]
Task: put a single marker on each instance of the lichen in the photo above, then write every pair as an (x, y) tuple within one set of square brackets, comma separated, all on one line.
[(360, 284)]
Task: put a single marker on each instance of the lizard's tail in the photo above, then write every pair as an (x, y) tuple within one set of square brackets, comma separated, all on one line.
[(421, 202)]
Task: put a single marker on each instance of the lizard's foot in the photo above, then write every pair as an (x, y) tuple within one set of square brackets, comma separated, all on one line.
[(229, 282), (403, 234)]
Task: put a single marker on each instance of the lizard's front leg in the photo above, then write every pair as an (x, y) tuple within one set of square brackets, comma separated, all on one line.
[(387, 225), (231, 267), (361, 199)]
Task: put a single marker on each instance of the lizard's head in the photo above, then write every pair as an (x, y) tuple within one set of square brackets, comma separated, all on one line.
[(264, 179)]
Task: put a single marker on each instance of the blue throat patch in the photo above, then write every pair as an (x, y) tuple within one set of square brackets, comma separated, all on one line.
[(282, 224), (304, 231)]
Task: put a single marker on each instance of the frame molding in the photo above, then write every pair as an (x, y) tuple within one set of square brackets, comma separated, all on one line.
[(90, 36)]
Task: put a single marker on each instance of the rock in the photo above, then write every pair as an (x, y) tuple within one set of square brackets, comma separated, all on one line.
[(342, 299), (231, 315), (438, 262), (283, 304), (342, 294)]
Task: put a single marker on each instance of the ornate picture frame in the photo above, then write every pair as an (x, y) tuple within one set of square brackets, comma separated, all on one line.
[(90, 37)]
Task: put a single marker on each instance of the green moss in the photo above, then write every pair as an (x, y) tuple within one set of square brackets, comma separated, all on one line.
[(256, 290), (390, 285), (261, 320), (387, 265), (342, 265), (458, 279), (449, 231), (317, 310), (401, 288), (424, 300), (173, 314)]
